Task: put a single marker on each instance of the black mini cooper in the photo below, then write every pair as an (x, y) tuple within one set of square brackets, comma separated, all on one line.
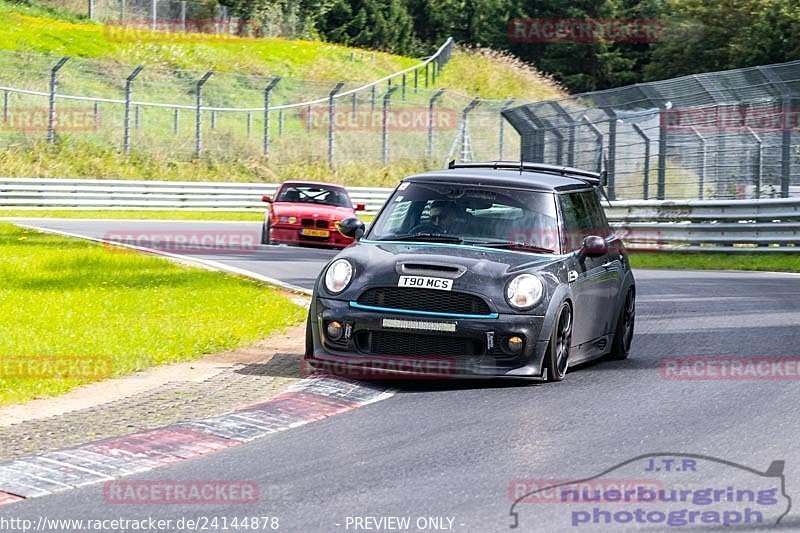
[(483, 269)]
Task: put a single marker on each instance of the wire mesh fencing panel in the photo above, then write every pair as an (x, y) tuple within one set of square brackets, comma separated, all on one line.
[(182, 114), (722, 135)]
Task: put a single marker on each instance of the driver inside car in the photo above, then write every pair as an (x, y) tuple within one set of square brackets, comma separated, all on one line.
[(447, 217)]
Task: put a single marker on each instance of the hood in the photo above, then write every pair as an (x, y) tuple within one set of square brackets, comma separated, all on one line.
[(485, 271), (304, 210)]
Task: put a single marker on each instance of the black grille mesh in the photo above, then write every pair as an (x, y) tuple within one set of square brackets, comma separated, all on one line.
[(411, 344), (424, 300)]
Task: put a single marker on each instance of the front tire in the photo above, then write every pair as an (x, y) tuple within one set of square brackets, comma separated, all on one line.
[(557, 357), (265, 227), (623, 335)]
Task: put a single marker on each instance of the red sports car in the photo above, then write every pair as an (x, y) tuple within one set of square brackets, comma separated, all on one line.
[(308, 212)]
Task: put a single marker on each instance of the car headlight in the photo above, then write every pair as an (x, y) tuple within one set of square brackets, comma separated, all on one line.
[(338, 276), (287, 220), (524, 291)]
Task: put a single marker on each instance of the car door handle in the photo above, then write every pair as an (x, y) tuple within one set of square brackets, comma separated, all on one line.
[(607, 265)]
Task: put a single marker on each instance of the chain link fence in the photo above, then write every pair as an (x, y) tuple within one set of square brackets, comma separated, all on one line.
[(190, 114), (721, 135)]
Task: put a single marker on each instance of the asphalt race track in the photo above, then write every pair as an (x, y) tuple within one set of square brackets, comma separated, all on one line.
[(455, 449)]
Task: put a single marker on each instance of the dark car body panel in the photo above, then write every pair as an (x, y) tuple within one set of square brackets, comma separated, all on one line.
[(595, 288)]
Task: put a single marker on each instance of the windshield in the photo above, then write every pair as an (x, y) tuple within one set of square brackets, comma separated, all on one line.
[(477, 215), (314, 195)]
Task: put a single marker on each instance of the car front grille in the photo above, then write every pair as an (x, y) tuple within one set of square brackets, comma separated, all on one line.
[(424, 300), (409, 344), (310, 223)]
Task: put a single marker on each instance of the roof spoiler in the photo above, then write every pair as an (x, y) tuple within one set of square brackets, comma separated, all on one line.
[(596, 179)]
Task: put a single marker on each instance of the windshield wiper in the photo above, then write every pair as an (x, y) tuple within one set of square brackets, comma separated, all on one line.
[(426, 237), (514, 246)]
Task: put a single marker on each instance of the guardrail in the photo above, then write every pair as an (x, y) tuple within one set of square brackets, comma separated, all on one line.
[(709, 225)]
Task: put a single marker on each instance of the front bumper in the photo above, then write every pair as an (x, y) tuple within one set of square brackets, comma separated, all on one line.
[(291, 235), (370, 349)]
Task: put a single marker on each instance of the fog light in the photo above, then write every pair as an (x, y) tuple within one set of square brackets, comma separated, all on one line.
[(514, 344), (334, 331)]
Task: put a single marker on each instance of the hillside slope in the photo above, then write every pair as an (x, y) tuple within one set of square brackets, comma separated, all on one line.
[(102, 57)]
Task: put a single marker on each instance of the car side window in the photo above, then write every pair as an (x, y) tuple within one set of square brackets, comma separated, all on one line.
[(578, 223), (595, 208)]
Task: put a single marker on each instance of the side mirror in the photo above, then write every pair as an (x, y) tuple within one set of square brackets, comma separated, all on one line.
[(594, 246), (352, 227), (361, 207), (267, 199)]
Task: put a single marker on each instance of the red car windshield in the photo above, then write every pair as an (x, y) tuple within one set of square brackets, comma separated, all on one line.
[(314, 195)]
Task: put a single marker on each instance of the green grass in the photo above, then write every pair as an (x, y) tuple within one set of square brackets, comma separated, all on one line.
[(67, 298), (254, 215), (774, 261)]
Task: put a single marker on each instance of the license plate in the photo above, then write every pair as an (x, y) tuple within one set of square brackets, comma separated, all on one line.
[(315, 233), (422, 282), (449, 327)]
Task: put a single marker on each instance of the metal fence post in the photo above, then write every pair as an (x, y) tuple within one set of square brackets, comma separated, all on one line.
[(137, 117), (759, 161), (154, 6), (598, 135), (175, 121), (431, 103), (426, 75), (355, 103), (466, 143), (570, 131), (51, 119), (416, 80), (385, 126), (183, 15), (5, 106), (372, 98), (122, 11), (501, 134), (267, 90), (280, 122), (404, 86), (662, 154), (213, 119), (249, 122), (701, 184), (96, 116), (332, 118), (126, 122), (198, 114), (91, 9), (308, 118), (646, 182), (612, 152)]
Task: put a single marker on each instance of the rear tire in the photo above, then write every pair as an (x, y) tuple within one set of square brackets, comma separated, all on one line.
[(623, 335), (557, 357), (265, 232)]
